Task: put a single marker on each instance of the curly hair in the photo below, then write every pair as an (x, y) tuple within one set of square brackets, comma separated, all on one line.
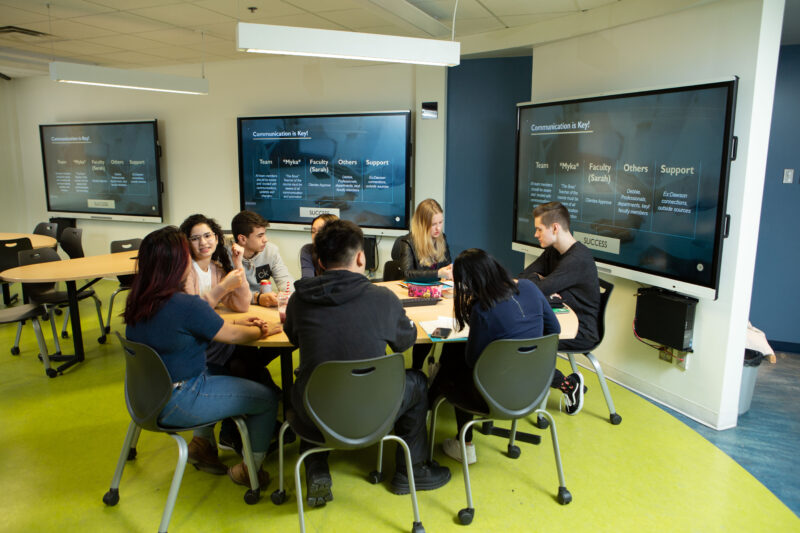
[(220, 255)]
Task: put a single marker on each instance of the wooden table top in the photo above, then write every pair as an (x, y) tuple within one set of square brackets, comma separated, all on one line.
[(37, 241), (96, 266), (568, 321)]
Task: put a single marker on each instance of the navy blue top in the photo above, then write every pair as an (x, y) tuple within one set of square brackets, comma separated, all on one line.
[(526, 315), (180, 332)]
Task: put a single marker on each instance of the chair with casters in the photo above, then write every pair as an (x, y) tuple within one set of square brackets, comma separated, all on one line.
[(8, 259), (125, 280), (353, 405), (605, 294), (513, 377), (392, 271), (52, 299), (20, 314), (46, 228), (148, 388)]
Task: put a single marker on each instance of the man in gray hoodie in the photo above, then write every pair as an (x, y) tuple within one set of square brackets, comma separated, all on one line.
[(341, 315)]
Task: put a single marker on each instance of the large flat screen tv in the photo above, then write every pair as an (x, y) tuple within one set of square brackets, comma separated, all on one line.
[(644, 176), (356, 166), (102, 170)]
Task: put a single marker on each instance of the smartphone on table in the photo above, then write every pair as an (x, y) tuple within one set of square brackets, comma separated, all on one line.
[(441, 333)]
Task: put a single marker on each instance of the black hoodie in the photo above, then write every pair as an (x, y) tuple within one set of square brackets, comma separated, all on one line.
[(342, 316)]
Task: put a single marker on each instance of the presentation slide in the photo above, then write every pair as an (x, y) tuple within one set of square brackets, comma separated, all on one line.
[(643, 176), (354, 166), (109, 168)]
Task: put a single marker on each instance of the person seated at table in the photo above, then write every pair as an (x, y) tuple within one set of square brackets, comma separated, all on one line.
[(423, 254), (179, 327), (308, 264), (566, 269), (217, 281), (339, 316), (494, 307), (261, 259)]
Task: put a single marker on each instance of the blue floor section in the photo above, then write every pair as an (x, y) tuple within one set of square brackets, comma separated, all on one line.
[(765, 440)]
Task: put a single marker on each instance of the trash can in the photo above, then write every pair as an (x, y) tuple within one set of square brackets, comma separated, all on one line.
[(752, 360)]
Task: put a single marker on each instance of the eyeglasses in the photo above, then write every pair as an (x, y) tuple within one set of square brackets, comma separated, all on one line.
[(205, 236)]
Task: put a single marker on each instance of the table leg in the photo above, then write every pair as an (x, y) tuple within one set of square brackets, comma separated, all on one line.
[(77, 336), (287, 377)]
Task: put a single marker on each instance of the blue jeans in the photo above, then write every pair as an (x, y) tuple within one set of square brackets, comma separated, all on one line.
[(207, 399)]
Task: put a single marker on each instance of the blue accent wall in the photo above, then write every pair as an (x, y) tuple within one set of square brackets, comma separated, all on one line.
[(775, 306), (482, 95)]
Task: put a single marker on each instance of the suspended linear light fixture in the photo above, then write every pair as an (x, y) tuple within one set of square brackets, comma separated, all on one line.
[(289, 40), (126, 79)]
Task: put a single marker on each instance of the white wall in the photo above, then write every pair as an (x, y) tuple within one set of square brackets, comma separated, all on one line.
[(713, 41), (198, 133)]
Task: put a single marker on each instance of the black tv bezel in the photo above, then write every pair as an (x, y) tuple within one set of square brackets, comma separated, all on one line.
[(652, 276), (94, 215), (304, 226)]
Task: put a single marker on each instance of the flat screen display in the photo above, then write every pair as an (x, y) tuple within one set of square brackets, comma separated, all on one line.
[(643, 175), (356, 166), (106, 170)]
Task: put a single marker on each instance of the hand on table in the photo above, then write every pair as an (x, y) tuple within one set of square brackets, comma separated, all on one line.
[(268, 299), (446, 272)]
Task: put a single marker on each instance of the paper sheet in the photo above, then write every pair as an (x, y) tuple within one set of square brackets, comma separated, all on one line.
[(445, 322)]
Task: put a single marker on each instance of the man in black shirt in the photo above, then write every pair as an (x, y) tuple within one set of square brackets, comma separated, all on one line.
[(566, 269)]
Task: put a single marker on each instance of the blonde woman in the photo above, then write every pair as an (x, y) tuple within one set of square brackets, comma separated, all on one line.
[(424, 254)]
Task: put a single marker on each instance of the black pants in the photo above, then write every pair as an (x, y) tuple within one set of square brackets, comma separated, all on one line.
[(409, 425), (577, 344)]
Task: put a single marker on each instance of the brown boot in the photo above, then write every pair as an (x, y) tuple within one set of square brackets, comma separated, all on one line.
[(203, 455), (240, 475)]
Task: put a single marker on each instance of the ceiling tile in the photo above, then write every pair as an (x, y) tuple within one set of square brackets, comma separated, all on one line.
[(239, 11), (59, 9), (525, 20), (304, 21), (127, 56), (515, 7), (184, 15), (11, 16), (175, 52), (354, 19), (320, 6), (135, 4), (126, 41), (120, 22), (83, 48), (178, 36), (68, 29)]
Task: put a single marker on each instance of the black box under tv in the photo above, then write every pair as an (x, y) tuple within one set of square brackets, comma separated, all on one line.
[(665, 317)]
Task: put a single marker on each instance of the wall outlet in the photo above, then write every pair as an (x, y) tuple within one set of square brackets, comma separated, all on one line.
[(788, 175), (665, 356)]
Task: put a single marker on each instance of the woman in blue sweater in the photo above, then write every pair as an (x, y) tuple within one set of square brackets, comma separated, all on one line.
[(494, 307)]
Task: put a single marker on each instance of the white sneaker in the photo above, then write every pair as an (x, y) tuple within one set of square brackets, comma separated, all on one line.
[(452, 448)]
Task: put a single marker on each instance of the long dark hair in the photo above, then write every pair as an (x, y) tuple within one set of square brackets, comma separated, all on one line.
[(479, 279), (220, 255), (161, 266)]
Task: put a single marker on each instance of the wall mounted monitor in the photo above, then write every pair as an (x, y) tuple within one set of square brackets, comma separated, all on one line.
[(356, 166), (644, 176), (102, 170)]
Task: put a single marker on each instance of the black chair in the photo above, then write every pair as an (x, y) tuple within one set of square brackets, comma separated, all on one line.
[(8, 259), (392, 271), (148, 388), (125, 280), (353, 405), (513, 377), (605, 295), (71, 242), (47, 295), (20, 314), (46, 228)]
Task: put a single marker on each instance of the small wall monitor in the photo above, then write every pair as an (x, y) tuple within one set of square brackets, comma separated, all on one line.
[(356, 166), (644, 176), (102, 170)]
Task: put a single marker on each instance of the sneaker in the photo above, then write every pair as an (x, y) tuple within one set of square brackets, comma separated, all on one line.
[(452, 448), (573, 389), (240, 475), (427, 476), (204, 456), (318, 482)]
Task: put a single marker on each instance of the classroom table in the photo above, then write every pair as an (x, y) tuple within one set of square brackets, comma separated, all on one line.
[(69, 271)]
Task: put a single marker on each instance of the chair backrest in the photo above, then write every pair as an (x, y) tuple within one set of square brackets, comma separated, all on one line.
[(31, 257), (125, 246), (605, 294), (46, 228), (9, 250), (354, 403), (514, 375), (392, 271), (148, 386), (71, 242)]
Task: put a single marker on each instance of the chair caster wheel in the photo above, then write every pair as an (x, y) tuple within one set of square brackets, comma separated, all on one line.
[(51, 372), (513, 451), (564, 496), (101, 340), (542, 422), (417, 528), (465, 516), (615, 419), (278, 497), (375, 477), (131, 454), (251, 497), (111, 498), (59, 312), (14, 350), (64, 335)]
